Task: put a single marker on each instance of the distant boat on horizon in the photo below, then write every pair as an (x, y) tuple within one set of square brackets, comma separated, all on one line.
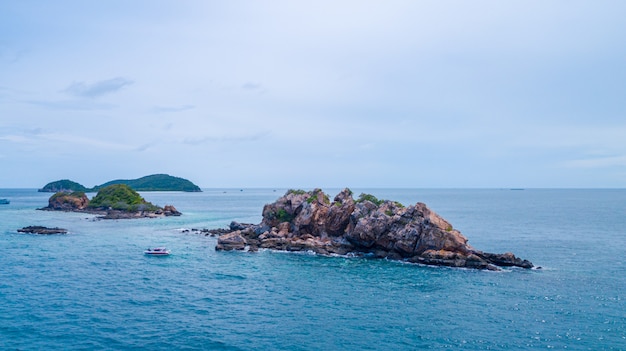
[(517, 188), (4, 202)]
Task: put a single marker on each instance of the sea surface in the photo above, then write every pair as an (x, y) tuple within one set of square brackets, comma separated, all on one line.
[(94, 289)]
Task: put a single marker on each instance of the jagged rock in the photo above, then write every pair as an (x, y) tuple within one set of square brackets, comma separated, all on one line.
[(237, 226), (170, 210), (339, 213), (300, 221)]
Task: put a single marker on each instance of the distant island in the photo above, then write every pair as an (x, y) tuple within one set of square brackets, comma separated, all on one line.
[(310, 221), (154, 182), (116, 201)]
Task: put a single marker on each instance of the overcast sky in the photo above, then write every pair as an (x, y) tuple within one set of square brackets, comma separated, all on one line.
[(314, 93)]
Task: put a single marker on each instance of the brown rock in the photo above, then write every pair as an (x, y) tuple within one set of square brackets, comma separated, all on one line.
[(231, 241), (170, 210), (63, 201)]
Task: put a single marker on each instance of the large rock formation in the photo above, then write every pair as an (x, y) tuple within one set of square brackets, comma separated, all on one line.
[(310, 221)]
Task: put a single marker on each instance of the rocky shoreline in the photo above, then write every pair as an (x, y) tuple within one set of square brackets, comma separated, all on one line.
[(309, 221)]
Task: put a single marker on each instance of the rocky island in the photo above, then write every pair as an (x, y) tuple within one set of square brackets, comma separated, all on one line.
[(309, 221), (116, 201), (154, 182)]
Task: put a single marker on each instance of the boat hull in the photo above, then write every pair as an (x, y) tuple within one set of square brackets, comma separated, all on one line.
[(161, 251)]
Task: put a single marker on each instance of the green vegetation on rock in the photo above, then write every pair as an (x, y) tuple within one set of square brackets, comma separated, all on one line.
[(296, 192), (314, 195), (64, 195), (284, 216), (120, 197), (369, 197)]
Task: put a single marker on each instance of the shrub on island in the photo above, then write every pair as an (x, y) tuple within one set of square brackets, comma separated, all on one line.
[(120, 197)]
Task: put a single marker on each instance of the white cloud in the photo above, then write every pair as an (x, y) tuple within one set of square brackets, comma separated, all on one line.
[(171, 109), (97, 89), (79, 105)]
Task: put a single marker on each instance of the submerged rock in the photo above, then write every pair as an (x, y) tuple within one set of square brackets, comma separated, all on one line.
[(309, 221), (35, 229)]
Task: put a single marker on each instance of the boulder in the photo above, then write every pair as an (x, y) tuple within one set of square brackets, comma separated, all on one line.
[(170, 210), (231, 241)]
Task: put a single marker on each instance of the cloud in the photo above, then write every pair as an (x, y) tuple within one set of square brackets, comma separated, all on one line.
[(254, 87), (75, 141), (145, 147), (10, 55), (169, 109), (598, 162), (79, 105), (233, 138), (251, 86), (18, 139), (97, 89)]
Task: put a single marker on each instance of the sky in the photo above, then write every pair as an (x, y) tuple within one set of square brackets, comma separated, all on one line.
[(304, 94)]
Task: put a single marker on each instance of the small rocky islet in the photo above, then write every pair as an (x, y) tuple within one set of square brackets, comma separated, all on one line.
[(309, 221), (117, 201)]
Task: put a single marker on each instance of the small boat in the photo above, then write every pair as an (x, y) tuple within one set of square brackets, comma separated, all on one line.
[(4, 202), (157, 251)]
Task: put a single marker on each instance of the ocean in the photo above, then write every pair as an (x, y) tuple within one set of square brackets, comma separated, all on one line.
[(94, 289)]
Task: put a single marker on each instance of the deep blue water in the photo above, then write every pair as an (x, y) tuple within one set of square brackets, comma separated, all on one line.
[(94, 289)]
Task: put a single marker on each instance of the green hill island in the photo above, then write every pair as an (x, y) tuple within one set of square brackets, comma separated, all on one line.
[(154, 182)]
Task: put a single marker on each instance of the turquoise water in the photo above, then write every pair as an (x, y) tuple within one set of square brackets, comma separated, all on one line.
[(94, 289)]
